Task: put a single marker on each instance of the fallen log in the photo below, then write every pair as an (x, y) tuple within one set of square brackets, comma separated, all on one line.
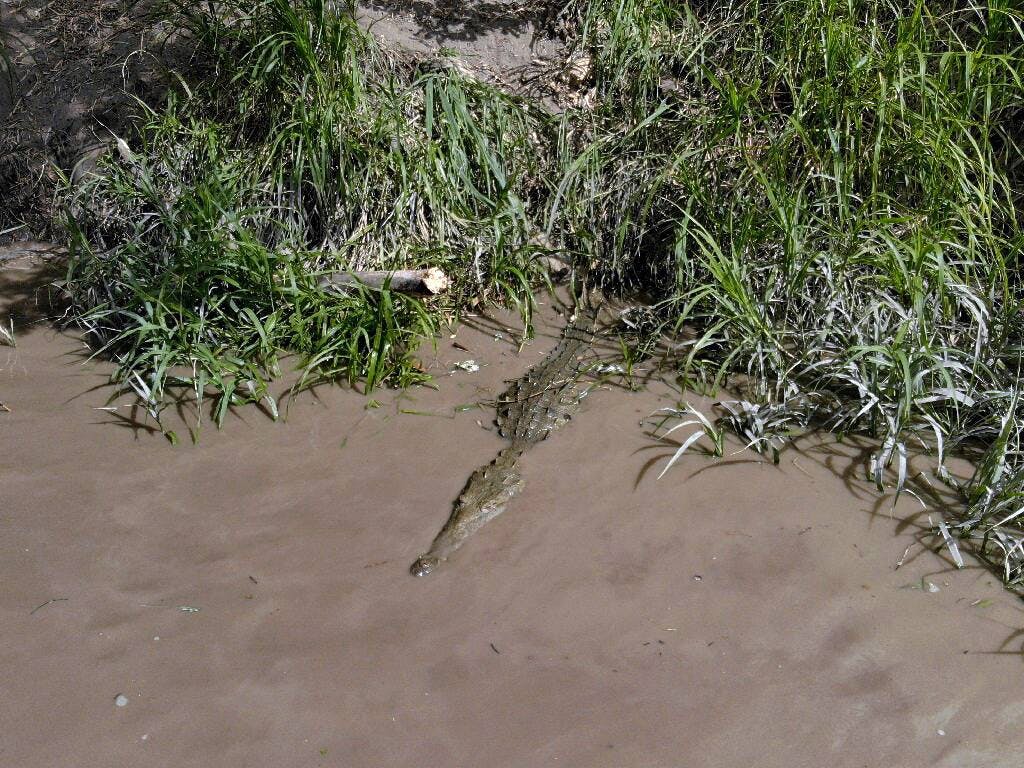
[(29, 249), (415, 282), (32, 254)]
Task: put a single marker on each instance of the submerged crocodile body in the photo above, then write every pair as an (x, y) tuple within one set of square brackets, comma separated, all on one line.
[(541, 401)]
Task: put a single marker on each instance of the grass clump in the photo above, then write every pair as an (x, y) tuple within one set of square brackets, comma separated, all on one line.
[(309, 148), (830, 193)]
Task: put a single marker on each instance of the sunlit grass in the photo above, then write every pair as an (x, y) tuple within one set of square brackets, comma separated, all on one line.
[(830, 193), (310, 148)]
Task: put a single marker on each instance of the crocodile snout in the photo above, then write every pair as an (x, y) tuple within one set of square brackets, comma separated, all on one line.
[(424, 565)]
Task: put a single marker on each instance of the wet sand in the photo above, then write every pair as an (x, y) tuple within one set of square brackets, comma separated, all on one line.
[(732, 613)]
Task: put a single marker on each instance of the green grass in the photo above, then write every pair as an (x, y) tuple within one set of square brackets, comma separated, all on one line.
[(829, 193), (308, 149)]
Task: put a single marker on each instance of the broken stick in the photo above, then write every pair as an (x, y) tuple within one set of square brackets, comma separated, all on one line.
[(415, 282)]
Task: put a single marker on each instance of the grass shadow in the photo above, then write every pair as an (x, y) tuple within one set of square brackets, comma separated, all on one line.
[(28, 298)]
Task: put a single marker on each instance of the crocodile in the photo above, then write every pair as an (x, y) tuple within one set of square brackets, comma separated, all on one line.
[(545, 398)]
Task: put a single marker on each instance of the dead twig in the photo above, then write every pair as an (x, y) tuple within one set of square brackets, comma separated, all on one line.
[(53, 600), (415, 282)]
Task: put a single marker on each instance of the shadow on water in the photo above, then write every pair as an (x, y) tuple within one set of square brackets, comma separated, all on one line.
[(28, 299), (916, 514)]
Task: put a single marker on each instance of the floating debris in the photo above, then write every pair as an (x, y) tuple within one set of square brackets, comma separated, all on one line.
[(470, 366), (120, 700), (48, 602)]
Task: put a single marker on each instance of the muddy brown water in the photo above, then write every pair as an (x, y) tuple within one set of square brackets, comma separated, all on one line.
[(732, 613)]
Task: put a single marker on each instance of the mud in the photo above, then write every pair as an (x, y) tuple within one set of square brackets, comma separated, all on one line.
[(499, 41), (731, 613)]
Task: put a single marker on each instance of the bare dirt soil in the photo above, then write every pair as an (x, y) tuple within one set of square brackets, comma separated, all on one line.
[(505, 43), (77, 68), (249, 596)]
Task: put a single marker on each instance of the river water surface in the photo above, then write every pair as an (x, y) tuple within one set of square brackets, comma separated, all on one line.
[(250, 599)]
